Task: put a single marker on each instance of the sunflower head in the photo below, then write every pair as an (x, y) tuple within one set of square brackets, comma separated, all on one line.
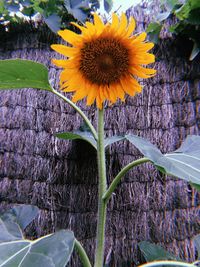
[(104, 60)]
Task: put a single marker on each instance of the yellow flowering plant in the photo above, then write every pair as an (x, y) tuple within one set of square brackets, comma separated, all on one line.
[(101, 65)]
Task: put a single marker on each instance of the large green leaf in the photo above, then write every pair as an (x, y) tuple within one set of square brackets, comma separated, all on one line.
[(113, 139), (83, 135), (153, 31), (22, 215), (52, 250), (153, 252), (183, 163), (18, 73), (9, 231)]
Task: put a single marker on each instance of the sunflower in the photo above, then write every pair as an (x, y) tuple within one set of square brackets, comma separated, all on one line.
[(103, 61)]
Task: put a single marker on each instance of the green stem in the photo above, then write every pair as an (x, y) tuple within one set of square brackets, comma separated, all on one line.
[(92, 129), (167, 263), (82, 254), (117, 179), (102, 186)]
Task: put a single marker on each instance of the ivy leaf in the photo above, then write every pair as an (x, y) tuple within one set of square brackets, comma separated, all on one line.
[(183, 163), (19, 73), (85, 135), (153, 31)]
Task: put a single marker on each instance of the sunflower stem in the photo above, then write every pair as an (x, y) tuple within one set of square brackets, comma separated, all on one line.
[(102, 186), (117, 179), (87, 121)]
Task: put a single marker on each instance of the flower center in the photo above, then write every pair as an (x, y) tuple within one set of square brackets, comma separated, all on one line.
[(104, 61)]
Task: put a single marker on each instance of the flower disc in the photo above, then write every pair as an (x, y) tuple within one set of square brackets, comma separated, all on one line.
[(104, 60)]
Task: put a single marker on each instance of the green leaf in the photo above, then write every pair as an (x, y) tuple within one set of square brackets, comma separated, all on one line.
[(196, 186), (110, 140), (86, 136), (184, 11), (52, 250), (197, 244), (152, 252), (183, 163), (195, 51), (153, 31), (9, 231), (146, 148), (18, 73), (23, 215)]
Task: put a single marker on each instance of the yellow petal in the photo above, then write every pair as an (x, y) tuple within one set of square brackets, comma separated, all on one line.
[(127, 87), (112, 95), (92, 94), (79, 94), (106, 91), (81, 28), (91, 28), (65, 88), (130, 86), (115, 22), (131, 26), (64, 50), (123, 24), (142, 72), (144, 47), (69, 36), (60, 62), (144, 58), (139, 38), (119, 91), (99, 101), (99, 25)]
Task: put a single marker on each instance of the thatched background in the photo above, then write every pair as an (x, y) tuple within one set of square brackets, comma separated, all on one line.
[(60, 177)]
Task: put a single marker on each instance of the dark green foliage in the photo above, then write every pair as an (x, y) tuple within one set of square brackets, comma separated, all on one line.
[(186, 25), (55, 13)]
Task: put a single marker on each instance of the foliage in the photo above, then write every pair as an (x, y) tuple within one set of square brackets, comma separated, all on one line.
[(52, 250), (186, 22), (55, 13), (182, 163)]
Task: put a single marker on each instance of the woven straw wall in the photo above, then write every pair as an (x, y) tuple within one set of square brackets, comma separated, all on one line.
[(60, 177)]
